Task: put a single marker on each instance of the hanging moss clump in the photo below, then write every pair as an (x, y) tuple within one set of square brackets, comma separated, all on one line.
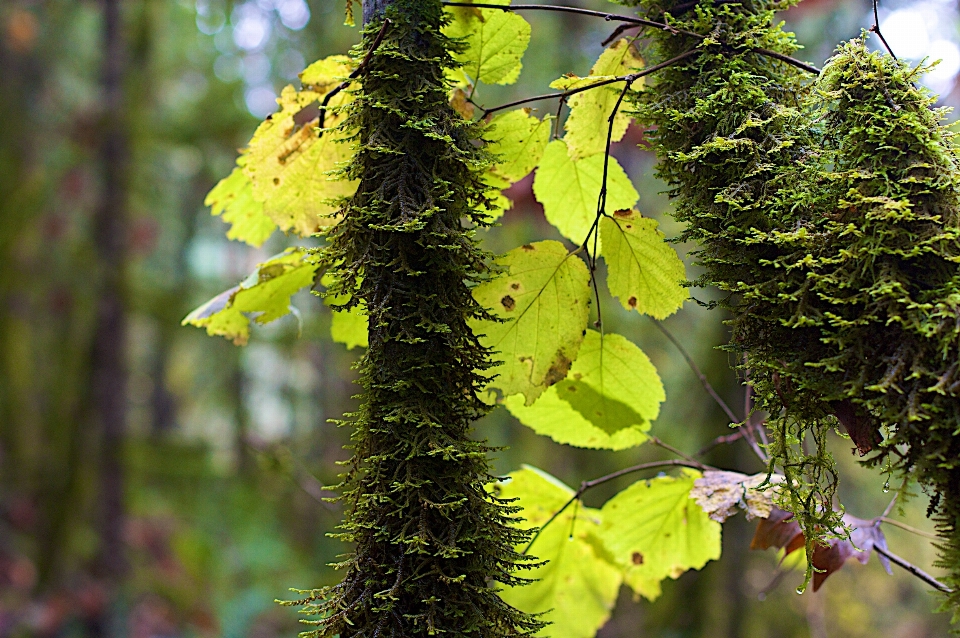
[(734, 143), (881, 279), (430, 541)]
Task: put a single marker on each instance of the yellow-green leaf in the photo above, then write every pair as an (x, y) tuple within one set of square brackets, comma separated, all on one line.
[(655, 530), (495, 42), (569, 190), (324, 75), (589, 120), (348, 327), (578, 587), (518, 139), (643, 271), (552, 416), (292, 167), (264, 296), (608, 399), (543, 297), (232, 199)]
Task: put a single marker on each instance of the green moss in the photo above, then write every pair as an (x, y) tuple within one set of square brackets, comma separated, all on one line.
[(828, 213), (882, 282), (430, 541), (734, 143)]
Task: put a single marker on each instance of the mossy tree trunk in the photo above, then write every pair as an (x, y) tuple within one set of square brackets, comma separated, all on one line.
[(431, 542)]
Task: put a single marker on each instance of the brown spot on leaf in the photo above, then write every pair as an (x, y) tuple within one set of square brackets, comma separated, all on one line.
[(632, 302), (636, 558), (276, 181), (515, 285), (508, 303), (626, 212), (558, 371), (528, 247)]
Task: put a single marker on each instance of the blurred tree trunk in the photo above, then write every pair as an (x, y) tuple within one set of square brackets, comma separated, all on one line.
[(108, 362)]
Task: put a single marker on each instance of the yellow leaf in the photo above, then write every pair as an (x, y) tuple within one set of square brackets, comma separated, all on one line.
[(589, 120)]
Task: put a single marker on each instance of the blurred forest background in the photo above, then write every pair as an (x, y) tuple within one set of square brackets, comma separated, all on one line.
[(156, 482)]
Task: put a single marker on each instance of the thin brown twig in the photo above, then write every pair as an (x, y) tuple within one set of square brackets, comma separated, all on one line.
[(876, 29), (629, 79), (696, 370), (721, 440), (913, 569), (618, 32), (609, 17), (586, 485), (709, 388), (666, 446), (354, 75)]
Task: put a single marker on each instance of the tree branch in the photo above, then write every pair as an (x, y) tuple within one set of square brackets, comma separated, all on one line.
[(908, 528), (629, 79), (913, 569), (353, 76), (586, 485), (876, 29)]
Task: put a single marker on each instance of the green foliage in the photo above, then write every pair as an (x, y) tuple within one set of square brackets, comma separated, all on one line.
[(648, 532), (876, 280), (577, 573), (643, 271), (607, 400), (589, 120), (348, 325), (232, 198), (516, 140), (493, 42), (826, 213), (568, 189), (655, 530), (539, 312), (264, 296)]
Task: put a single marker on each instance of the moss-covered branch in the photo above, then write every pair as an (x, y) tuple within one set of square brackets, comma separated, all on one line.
[(431, 541)]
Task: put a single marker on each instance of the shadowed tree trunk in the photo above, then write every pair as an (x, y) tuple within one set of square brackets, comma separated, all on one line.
[(108, 362)]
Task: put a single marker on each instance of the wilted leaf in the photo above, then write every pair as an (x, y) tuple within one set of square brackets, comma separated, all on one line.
[(291, 166), (263, 296), (720, 493), (781, 531)]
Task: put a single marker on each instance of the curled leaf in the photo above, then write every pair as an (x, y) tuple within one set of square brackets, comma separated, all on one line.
[(720, 493)]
